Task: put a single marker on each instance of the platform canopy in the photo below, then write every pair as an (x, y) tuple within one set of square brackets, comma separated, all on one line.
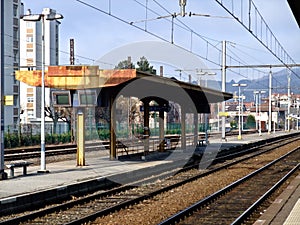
[(135, 83)]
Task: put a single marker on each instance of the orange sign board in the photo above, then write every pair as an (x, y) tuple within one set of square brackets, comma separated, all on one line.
[(76, 77)]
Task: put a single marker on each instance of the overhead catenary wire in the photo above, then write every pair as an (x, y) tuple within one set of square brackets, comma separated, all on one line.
[(261, 35), (201, 36), (39, 45), (182, 25)]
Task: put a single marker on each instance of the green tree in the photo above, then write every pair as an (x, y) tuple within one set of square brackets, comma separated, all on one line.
[(233, 124), (125, 64), (145, 66), (251, 122)]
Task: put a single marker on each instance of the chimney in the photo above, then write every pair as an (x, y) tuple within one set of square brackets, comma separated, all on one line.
[(28, 12), (161, 71), (129, 62)]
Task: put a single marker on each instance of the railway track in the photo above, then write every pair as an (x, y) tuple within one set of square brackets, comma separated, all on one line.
[(68, 149), (34, 152), (244, 195), (100, 204)]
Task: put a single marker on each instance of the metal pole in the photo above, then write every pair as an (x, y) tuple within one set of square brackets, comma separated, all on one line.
[(256, 102), (259, 99), (297, 115), (223, 86), (218, 116), (289, 101), (80, 156), (43, 154), (206, 128), (242, 108), (3, 175), (274, 126), (32, 18), (270, 103), (240, 133)]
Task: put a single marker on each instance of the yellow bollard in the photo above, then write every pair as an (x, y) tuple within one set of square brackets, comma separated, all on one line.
[(80, 140)]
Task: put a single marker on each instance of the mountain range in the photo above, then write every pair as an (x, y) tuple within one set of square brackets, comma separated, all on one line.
[(279, 84)]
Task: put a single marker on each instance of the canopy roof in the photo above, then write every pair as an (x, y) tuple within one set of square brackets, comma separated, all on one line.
[(139, 84)]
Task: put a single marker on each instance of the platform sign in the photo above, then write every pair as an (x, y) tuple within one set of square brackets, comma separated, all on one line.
[(87, 98), (275, 117), (156, 108), (61, 99), (80, 156), (8, 100), (223, 114)]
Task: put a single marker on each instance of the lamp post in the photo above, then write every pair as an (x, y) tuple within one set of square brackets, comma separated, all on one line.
[(239, 86), (289, 101), (201, 73), (242, 108), (34, 18), (256, 109), (259, 108)]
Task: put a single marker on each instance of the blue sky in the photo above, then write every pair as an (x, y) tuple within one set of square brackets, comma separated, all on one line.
[(97, 33)]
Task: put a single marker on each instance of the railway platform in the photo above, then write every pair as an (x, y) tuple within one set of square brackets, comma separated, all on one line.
[(65, 177)]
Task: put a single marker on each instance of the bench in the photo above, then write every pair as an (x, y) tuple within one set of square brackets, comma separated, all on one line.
[(120, 144), (14, 165), (169, 142)]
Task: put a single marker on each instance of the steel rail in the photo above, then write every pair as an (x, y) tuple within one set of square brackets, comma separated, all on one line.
[(104, 212), (152, 194), (188, 211), (264, 197)]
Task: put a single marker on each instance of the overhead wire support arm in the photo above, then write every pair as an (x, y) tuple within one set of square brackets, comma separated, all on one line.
[(196, 42), (264, 66)]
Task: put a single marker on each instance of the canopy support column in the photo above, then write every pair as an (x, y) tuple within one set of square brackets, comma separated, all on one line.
[(161, 128), (196, 128), (183, 130), (113, 146), (146, 126)]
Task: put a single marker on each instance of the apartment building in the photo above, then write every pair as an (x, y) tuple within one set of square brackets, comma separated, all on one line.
[(31, 59), (9, 60)]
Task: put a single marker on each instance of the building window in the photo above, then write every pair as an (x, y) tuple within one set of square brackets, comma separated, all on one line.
[(16, 55), (29, 38), (16, 111), (16, 44), (16, 22), (29, 54), (16, 100), (29, 61), (29, 31), (15, 81), (30, 90), (16, 65), (30, 99), (16, 33), (16, 89), (29, 24), (30, 113), (15, 10), (16, 120)]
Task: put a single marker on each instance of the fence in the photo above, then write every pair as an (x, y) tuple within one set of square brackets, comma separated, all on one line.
[(29, 134)]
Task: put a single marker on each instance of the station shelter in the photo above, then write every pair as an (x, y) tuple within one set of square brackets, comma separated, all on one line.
[(110, 84)]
